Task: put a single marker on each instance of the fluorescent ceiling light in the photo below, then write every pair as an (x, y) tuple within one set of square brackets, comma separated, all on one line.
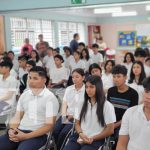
[(147, 7), (124, 14), (107, 10)]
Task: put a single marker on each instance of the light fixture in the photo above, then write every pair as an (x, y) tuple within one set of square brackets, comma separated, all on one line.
[(147, 7), (107, 10), (124, 14)]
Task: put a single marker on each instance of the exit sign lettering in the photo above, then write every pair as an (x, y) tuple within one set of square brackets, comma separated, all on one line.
[(78, 1)]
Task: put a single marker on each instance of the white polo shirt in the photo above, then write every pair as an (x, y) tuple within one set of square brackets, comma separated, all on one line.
[(68, 60), (87, 64), (22, 72), (139, 89), (107, 80), (36, 109), (10, 84), (73, 98), (75, 65), (48, 60), (58, 74), (97, 58), (90, 126), (136, 125)]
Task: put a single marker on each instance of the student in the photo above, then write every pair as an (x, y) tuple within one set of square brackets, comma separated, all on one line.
[(8, 85), (140, 55), (56, 51), (73, 95), (147, 62), (35, 57), (86, 58), (95, 69), (22, 66), (35, 115), (94, 118), (76, 62), (137, 75), (121, 95), (11, 55), (58, 75), (128, 61), (81, 46), (96, 57), (74, 43), (134, 133), (68, 56), (23, 81), (48, 60), (107, 77)]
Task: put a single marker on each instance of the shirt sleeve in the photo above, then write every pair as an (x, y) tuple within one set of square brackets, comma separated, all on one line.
[(109, 113), (13, 85), (52, 107), (124, 130), (77, 111), (20, 104), (135, 99), (65, 95)]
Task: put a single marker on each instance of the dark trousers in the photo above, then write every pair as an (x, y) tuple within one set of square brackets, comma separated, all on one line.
[(30, 144), (60, 132), (73, 145)]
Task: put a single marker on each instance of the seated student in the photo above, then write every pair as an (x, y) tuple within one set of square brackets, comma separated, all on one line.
[(58, 75), (35, 115), (35, 57), (94, 118), (147, 62), (134, 133), (107, 77), (96, 57), (137, 75), (140, 55), (8, 85), (74, 94), (121, 95), (81, 46), (23, 81), (26, 52), (95, 69), (22, 66), (128, 61), (68, 56)]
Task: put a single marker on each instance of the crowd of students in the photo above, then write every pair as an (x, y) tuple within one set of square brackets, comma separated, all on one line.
[(101, 98)]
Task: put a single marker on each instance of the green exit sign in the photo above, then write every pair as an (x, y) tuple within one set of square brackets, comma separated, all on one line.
[(78, 1)]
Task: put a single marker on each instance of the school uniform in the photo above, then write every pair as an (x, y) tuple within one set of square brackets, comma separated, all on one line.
[(36, 110), (90, 126), (97, 58)]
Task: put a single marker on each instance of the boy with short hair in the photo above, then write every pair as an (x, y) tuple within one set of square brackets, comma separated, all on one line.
[(35, 115), (121, 95)]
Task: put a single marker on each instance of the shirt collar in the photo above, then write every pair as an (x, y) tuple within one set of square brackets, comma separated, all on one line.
[(40, 94), (81, 89)]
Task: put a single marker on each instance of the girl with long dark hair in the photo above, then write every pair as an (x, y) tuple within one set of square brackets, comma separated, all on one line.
[(137, 76), (94, 118)]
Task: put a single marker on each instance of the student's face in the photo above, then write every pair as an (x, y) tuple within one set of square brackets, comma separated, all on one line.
[(96, 71), (119, 79), (128, 58), (109, 67), (84, 54), (95, 50), (22, 63), (67, 53), (81, 47), (90, 89), (28, 67), (11, 56), (57, 61), (148, 63), (40, 38), (33, 54), (146, 99), (77, 78), (136, 69), (49, 52), (141, 59), (4, 70), (35, 81), (76, 56), (54, 53)]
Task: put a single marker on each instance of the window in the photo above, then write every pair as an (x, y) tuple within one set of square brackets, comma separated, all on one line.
[(66, 30), (22, 28)]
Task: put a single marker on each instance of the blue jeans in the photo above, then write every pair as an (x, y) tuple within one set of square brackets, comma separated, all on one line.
[(73, 145), (60, 132), (30, 144)]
